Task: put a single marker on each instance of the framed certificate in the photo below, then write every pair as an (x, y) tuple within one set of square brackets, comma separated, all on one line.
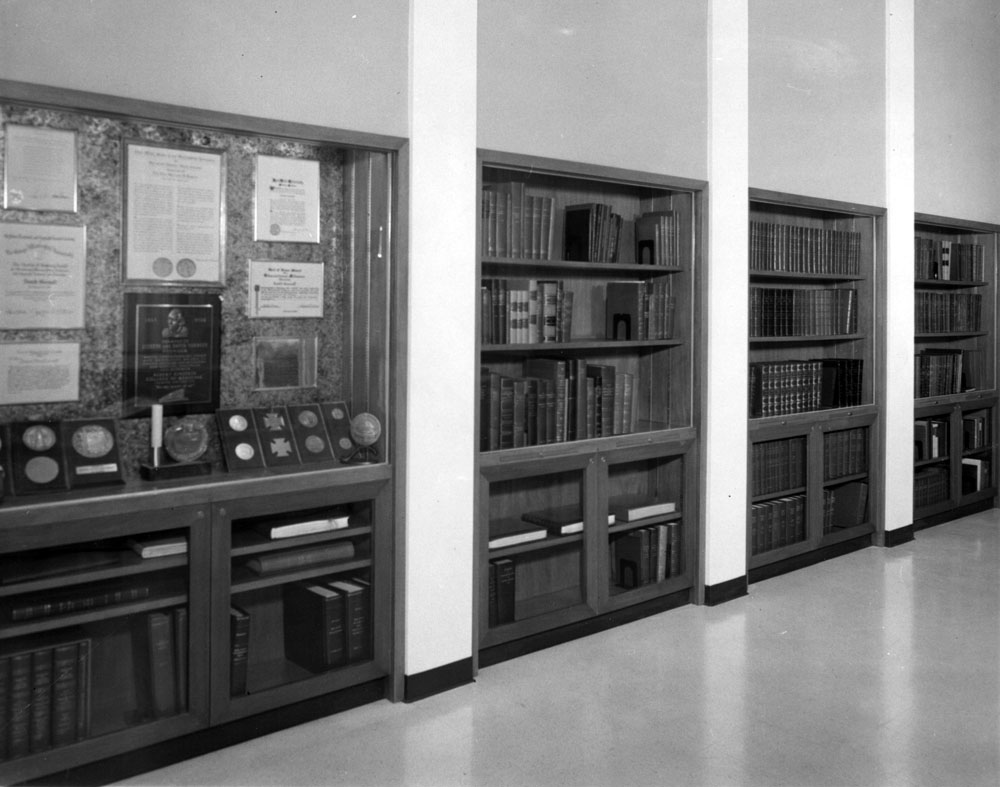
[(42, 276), (174, 208), (39, 169), (287, 200), (171, 353), (39, 372), (285, 289)]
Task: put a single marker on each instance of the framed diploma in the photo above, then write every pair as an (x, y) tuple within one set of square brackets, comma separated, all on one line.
[(42, 276), (285, 289), (174, 208), (171, 353), (39, 169), (287, 200), (38, 372), (285, 362)]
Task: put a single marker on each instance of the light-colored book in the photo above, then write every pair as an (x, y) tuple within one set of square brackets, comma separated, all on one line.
[(158, 547)]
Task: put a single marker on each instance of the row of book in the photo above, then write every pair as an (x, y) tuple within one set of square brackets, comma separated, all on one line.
[(787, 387), (593, 232), (67, 601), (639, 310), (525, 311), (563, 520), (160, 662), (845, 452), (977, 474), (930, 438), (845, 506), (931, 485), (44, 698), (948, 312), (646, 555), (516, 225), (977, 430), (777, 465), (939, 372), (777, 311), (326, 623), (557, 400), (658, 239), (797, 249), (777, 523), (945, 260)]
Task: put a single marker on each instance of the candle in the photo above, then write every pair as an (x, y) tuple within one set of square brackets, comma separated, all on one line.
[(156, 427)]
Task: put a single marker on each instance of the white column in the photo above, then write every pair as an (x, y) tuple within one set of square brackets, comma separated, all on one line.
[(441, 362), (724, 441), (897, 309)]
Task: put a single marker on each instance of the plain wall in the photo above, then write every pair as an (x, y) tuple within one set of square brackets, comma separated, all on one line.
[(620, 84), (295, 60), (817, 98), (958, 109)]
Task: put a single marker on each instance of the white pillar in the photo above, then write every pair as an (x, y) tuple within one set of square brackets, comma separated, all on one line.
[(442, 369), (724, 437), (897, 310)]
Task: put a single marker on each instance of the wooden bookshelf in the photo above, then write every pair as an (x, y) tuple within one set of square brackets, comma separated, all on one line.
[(125, 652), (587, 298), (813, 424), (955, 387)]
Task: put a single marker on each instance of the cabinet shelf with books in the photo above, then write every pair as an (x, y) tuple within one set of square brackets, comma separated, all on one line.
[(97, 646), (814, 266), (955, 388), (587, 300), (303, 608)]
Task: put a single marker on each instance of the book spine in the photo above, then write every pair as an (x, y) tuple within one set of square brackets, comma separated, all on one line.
[(291, 559), (4, 705), (19, 732), (239, 653), (40, 718), (64, 694), (163, 676)]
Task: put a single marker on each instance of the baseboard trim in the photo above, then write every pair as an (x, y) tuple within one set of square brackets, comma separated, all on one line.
[(160, 755), (582, 628), (955, 513), (434, 681), (900, 535), (809, 558), (725, 591)]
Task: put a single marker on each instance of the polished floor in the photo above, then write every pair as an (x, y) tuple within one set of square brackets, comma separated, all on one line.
[(881, 667)]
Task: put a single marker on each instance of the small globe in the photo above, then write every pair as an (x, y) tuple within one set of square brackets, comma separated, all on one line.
[(365, 429)]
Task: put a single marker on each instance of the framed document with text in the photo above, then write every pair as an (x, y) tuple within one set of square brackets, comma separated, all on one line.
[(39, 169), (287, 198), (174, 208)]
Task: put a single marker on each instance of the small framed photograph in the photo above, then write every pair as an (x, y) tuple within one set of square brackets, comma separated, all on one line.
[(39, 169), (284, 362), (287, 200), (174, 208), (39, 372)]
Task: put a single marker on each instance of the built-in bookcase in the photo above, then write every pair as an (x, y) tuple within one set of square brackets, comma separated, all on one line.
[(587, 427), (811, 379), (955, 388), (162, 605)]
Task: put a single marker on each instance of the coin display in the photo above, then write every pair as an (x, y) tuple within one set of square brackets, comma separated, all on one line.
[(315, 444), (337, 413), (245, 451), (39, 437), (186, 267), (308, 419), (238, 423), (92, 441), (41, 469)]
